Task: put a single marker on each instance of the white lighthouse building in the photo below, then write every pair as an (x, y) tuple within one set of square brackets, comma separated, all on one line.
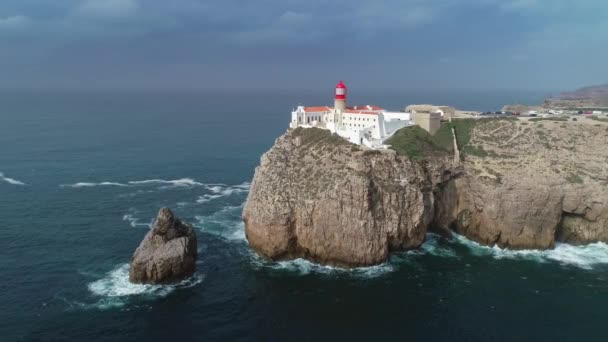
[(362, 125)]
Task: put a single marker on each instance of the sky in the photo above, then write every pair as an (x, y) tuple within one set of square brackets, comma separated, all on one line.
[(283, 44)]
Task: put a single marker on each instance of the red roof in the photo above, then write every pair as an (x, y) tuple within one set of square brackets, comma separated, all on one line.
[(317, 109)]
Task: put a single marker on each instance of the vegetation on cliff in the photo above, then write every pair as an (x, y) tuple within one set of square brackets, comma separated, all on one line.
[(314, 136), (416, 143), (597, 118)]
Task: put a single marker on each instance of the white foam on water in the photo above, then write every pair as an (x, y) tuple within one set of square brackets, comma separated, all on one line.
[(305, 267), (585, 257), (90, 185), (207, 198), (432, 246), (223, 190), (183, 182), (225, 223), (115, 287), (10, 180), (134, 221)]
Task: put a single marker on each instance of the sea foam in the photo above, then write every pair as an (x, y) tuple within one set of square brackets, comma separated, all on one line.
[(306, 267), (134, 221), (223, 190), (10, 180), (115, 287), (183, 182), (585, 257), (225, 223), (89, 185)]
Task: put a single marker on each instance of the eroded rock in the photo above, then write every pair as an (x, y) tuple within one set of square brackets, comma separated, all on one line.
[(167, 253)]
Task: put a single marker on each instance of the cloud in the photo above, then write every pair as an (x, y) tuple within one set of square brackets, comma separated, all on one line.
[(108, 8), (16, 22)]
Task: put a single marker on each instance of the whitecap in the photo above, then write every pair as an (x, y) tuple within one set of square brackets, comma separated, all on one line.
[(207, 198), (432, 245), (585, 257), (116, 284), (134, 221), (89, 185), (226, 223), (183, 182), (304, 267), (217, 190), (223, 190), (10, 180)]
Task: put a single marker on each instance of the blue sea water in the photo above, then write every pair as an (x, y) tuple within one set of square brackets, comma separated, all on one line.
[(83, 174)]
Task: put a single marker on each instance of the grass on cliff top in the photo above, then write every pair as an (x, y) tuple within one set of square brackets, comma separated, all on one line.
[(597, 118), (464, 131), (313, 135), (416, 143), (548, 119)]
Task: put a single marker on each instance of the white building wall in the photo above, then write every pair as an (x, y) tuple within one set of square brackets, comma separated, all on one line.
[(358, 128), (397, 116)]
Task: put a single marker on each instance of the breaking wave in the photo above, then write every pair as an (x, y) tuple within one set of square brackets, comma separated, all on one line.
[(183, 182), (585, 257), (223, 190), (89, 185), (305, 267), (225, 223), (10, 180), (433, 245), (116, 288), (134, 221)]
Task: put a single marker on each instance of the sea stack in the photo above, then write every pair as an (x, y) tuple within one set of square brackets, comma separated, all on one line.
[(167, 253)]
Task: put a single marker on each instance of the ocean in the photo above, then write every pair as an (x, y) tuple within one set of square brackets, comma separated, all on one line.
[(82, 175)]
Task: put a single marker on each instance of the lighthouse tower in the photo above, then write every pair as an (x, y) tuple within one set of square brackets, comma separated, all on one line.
[(340, 97)]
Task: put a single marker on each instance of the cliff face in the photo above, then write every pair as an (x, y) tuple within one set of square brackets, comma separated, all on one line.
[(314, 196), (528, 184), (520, 185)]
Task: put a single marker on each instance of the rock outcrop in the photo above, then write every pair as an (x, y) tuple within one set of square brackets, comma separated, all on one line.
[(530, 183), (520, 185), (167, 253), (318, 197)]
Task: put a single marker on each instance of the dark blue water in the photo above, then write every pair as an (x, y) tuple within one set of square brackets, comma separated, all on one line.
[(82, 176)]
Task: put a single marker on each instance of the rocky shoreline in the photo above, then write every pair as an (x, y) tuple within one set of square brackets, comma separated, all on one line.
[(519, 185)]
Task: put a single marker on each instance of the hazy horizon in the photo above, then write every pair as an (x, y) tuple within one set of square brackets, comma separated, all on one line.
[(520, 45)]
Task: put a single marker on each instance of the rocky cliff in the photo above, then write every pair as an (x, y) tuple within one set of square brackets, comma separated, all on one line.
[(529, 183), (167, 253), (520, 184)]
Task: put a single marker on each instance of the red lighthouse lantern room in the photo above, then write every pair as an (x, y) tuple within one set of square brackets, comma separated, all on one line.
[(340, 91), (340, 97)]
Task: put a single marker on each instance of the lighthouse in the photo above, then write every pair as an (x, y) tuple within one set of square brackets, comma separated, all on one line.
[(340, 97)]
